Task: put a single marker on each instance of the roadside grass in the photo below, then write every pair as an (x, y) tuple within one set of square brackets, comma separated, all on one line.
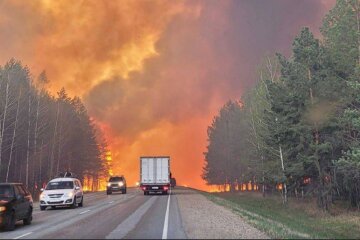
[(300, 218)]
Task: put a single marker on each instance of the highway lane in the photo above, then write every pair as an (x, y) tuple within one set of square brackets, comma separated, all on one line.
[(131, 215), (153, 221)]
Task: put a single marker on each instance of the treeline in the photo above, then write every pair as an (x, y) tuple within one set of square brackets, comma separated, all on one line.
[(299, 126), (42, 135)]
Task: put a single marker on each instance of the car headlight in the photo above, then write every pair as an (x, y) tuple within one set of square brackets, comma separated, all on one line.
[(109, 184), (121, 184), (70, 194), (2, 209), (43, 195)]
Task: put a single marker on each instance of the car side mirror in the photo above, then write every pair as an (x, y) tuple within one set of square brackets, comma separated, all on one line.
[(77, 188), (42, 190)]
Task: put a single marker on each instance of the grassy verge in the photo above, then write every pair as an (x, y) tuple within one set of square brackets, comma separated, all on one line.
[(299, 219)]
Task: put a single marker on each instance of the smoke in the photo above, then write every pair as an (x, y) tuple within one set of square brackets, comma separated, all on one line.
[(153, 73)]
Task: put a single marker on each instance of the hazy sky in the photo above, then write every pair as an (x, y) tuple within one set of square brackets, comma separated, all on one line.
[(153, 73)]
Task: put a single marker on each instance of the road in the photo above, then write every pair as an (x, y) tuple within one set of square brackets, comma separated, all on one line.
[(116, 216)]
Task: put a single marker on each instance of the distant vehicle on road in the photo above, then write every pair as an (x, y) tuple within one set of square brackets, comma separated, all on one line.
[(116, 184), (62, 191), (173, 182), (155, 174), (16, 204)]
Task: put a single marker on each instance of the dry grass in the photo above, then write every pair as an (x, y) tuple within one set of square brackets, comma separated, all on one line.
[(299, 219)]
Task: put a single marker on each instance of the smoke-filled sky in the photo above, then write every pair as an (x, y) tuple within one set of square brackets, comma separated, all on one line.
[(153, 73)]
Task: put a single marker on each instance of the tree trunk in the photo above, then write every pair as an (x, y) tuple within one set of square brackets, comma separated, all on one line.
[(259, 151), (28, 141), (283, 171), (53, 143), (60, 143), (2, 130), (40, 161), (13, 137), (36, 134)]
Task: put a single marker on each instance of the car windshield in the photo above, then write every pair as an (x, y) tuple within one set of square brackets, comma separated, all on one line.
[(115, 179), (60, 185), (6, 192)]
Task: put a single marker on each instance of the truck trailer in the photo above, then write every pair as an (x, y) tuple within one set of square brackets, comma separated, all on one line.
[(155, 174)]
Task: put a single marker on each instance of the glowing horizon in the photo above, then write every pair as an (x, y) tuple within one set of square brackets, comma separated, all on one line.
[(152, 74)]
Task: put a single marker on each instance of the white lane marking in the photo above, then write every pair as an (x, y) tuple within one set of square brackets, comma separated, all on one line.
[(111, 202), (132, 221), (84, 212), (23, 235), (166, 221)]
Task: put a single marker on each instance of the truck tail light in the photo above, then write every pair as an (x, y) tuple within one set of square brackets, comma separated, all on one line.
[(143, 188), (166, 188)]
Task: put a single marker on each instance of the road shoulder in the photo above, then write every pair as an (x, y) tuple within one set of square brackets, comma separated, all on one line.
[(203, 219)]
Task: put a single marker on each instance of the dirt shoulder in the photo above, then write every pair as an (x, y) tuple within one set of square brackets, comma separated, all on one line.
[(203, 219)]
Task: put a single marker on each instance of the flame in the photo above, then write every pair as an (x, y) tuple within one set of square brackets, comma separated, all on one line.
[(249, 186)]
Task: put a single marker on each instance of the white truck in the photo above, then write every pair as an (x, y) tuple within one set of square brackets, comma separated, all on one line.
[(155, 174)]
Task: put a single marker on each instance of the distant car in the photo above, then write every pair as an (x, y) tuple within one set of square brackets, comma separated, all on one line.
[(116, 184), (60, 192), (16, 204), (172, 182)]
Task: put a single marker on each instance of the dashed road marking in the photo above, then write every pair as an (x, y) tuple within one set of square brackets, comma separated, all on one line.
[(24, 235), (84, 212)]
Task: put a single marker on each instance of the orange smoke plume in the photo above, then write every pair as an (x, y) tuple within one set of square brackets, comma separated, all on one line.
[(152, 73)]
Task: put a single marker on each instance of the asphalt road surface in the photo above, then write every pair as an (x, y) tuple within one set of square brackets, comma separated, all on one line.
[(116, 216)]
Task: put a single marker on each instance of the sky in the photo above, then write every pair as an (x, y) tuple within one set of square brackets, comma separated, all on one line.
[(153, 74)]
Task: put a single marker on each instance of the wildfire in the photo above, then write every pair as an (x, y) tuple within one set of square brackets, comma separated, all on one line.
[(99, 184), (108, 159), (249, 186)]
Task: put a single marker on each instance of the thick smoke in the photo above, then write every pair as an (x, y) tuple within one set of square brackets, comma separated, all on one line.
[(154, 73)]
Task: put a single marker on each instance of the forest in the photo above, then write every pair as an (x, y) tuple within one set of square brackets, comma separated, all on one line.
[(42, 135), (297, 130)]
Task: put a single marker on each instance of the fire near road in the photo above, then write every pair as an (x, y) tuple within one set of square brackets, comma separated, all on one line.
[(185, 213)]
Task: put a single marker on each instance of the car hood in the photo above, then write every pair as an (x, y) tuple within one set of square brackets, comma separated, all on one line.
[(58, 191)]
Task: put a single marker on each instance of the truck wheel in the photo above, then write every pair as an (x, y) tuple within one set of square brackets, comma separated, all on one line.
[(42, 208), (108, 193), (145, 193)]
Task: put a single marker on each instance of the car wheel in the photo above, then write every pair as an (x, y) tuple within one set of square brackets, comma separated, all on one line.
[(73, 205), (10, 226), (42, 208), (82, 201), (53, 207), (27, 221)]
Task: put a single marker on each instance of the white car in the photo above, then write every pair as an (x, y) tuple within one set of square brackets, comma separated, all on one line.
[(62, 192)]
